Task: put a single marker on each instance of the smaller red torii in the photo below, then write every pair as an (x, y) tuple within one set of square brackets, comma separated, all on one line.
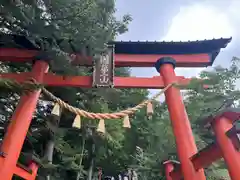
[(226, 146)]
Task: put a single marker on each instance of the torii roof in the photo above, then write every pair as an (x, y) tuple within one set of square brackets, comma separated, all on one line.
[(163, 47), (211, 47)]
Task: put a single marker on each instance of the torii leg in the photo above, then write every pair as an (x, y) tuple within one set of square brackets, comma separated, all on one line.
[(186, 146), (20, 122), (230, 154)]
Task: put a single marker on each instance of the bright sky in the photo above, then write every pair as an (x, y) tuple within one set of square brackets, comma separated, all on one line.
[(198, 22)]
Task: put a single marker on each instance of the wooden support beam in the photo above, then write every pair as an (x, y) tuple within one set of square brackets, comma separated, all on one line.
[(17, 55), (206, 156), (19, 77), (50, 79), (22, 172), (19, 170), (132, 60), (155, 82), (233, 114), (202, 159), (121, 60)]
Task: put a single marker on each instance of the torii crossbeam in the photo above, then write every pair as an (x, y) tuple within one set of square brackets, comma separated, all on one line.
[(165, 56)]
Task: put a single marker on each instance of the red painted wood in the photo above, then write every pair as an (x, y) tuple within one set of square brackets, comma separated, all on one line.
[(206, 156), (34, 168), (19, 124), (229, 113), (185, 143), (121, 60), (202, 159), (22, 173), (230, 154), (168, 169), (20, 77), (16, 55), (155, 82), (119, 82), (192, 60)]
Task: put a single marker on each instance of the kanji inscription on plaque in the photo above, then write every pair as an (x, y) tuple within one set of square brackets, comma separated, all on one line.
[(103, 72)]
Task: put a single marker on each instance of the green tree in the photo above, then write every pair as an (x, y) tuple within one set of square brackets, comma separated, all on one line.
[(61, 28)]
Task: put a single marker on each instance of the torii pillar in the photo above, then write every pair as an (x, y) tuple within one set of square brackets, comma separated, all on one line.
[(18, 127), (186, 146)]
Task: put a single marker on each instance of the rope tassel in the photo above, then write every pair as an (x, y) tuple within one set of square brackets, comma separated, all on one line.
[(101, 126), (149, 109), (56, 110), (77, 122), (126, 122)]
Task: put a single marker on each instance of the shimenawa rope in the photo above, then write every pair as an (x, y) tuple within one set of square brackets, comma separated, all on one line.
[(115, 115), (33, 85)]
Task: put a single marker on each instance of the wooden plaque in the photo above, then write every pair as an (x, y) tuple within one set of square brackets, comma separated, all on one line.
[(103, 70)]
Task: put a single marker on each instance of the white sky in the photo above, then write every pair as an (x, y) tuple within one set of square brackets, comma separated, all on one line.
[(198, 22)]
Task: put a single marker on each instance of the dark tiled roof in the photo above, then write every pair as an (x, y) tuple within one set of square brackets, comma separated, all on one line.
[(16, 41), (154, 47), (211, 47)]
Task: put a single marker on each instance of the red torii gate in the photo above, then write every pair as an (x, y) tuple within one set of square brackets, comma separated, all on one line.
[(165, 56)]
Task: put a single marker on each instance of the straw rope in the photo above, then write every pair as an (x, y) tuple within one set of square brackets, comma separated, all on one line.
[(32, 84)]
